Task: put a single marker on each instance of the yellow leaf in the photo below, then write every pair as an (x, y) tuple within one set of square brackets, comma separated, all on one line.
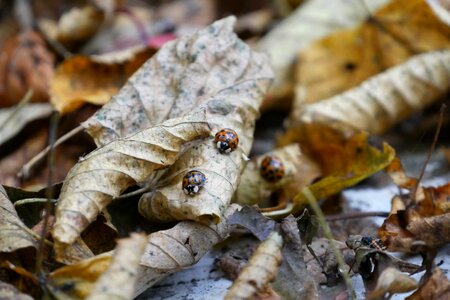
[(346, 58)]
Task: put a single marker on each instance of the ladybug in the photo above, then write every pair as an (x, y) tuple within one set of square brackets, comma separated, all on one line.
[(226, 140), (193, 181), (272, 169)]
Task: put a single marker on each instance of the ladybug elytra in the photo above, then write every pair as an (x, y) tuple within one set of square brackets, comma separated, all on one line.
[(226, 140), (193, 181)]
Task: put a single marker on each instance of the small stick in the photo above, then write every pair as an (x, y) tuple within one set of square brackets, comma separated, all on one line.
[(357, 215), (430, 153), (26, 169)]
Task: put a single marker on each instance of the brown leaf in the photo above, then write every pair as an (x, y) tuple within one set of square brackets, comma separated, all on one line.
[(25, 63), (260, 270), (118, 281), (299, 172), (383, 100), (106, 172), (346, 58), (94, 79), (436, 286), (14, 234)]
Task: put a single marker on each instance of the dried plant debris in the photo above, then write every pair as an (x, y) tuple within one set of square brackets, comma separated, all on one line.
[(167, 251), (383, 100), (392, 281), (389, 37), (13, 232), (25, 63), (118, 281), (14, 119), (106, 172), (434, 286), (8, 291), (94, 79), (312, 20), (260, 270), (298, 171), (418, 221)]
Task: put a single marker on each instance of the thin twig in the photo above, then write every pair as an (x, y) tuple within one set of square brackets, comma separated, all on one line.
[(133, 193), (48, 205), (26, 169), (32, 200), (18, 107), (357, 215), (430, 152), (327, 232)]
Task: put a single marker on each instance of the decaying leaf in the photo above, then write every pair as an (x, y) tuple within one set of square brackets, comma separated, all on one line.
[(383, 100), (14, 234), (299, 172), (220, 72), (13, 119), (345, 162), (251, 219), (435, 286), (392, 281), (310, 21), (293, 280), (260, 270), (25, 63), (8, 291), (118, 281), (109, 170), (388, 37), (418, 220), (166, 252), (94, 79)]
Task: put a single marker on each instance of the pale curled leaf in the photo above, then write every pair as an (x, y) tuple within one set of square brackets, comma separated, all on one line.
[(383, 100), (109, 170), (310, 21), (299, 172), (13, 233), (118, 281), (260, 270), (11, 122), (167, 251), (226, 76), (392, 281)]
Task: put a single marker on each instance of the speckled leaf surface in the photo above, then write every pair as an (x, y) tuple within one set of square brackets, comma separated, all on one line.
[(109, 170), (13, 236), (230, 80)]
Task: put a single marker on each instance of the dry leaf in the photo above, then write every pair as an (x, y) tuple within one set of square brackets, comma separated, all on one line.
[(419, 220), (118, 281), (13, 119), (299, 172), (221, 73), (8, 291), (383, 100), (344, 162), (167, 251), (293, 280), (312, 20), (260, 270), (106, 172), (436, 286), (346, 58), (25, 63), (94, 79), (14, 234), (392, 281)]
